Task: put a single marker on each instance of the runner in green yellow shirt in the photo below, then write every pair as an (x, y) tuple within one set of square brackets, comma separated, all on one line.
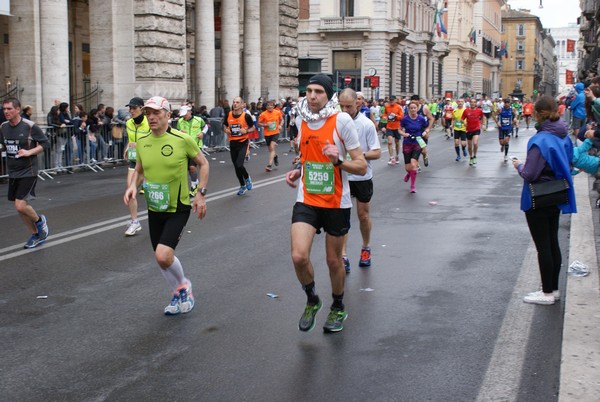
[(162, 160)]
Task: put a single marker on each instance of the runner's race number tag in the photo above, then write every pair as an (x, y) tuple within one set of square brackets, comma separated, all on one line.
[(272, 126), (157, 196), (319, 177), (131, 154)]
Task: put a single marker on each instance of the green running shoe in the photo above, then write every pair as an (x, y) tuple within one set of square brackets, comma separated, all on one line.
[(335, 320), (307, 321)]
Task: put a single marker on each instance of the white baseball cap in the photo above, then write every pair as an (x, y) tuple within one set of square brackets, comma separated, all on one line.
[(183, 110), (157, 103)]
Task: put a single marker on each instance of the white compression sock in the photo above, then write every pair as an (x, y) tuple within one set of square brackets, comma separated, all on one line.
[(174, 274)]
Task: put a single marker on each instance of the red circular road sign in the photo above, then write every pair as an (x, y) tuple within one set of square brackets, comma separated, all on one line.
[(347, 79)]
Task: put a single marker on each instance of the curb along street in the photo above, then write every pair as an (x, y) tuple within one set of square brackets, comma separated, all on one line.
[(580, 361)]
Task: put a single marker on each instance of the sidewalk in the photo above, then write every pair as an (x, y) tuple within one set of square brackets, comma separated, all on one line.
[(580, 366)]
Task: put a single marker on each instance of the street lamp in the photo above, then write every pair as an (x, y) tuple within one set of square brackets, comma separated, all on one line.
[(541, 5)]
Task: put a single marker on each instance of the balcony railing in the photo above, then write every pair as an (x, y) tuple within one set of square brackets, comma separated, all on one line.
[(345, 24)]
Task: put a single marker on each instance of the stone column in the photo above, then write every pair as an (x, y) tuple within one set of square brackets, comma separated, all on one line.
[(270, 40), (429, 85), (205, 53), (252, 45), (54, 32), (230, 49), (24, 49), (423, 75)]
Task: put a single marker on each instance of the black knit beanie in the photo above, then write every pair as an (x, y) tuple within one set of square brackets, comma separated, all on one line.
[(324, 81)]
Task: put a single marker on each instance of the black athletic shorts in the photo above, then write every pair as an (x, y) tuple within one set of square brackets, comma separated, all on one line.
[(504, 133), (270, 138), (411, 151), (166, 227), (471, 134), (362, 190), (393, 133), (460, 135), (334, 221), (22, 188)]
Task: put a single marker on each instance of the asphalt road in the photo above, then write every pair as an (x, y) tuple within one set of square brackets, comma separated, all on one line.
[(441, 320)]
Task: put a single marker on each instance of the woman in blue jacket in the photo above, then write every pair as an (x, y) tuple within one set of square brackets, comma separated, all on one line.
[(549, 156)]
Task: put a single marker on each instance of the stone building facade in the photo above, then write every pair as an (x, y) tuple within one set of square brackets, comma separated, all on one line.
[(529, 65), (487, 25), (382, 47), (459, 72), (566, 60), (589, 65), (204, 50)]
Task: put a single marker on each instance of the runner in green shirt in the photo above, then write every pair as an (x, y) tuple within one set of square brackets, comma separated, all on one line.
[(519, 109), (195, 127), (162, 159)]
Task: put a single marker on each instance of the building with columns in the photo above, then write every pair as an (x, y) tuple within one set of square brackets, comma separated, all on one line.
[(389, 45), (567, 59), (203, 50), (487, 24), (459, 69)]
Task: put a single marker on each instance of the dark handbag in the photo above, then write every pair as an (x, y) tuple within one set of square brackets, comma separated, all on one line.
[(549, 193)]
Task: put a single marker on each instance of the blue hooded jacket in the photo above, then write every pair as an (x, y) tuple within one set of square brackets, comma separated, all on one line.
[(584, 161), (558, 153), (578, 104)]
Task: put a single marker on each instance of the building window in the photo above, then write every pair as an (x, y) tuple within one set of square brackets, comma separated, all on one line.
[(403, 73), (346, 8), (487, 47), (411, 74), (520, 29), (520, 47), (520, 65)]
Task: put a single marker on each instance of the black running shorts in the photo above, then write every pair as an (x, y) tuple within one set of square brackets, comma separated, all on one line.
[(22, 188), (471, 134), (334, 221), (362, 190), (270, 138), (166, 227)]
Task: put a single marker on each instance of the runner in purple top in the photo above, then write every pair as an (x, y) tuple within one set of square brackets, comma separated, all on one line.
[(412, 127)]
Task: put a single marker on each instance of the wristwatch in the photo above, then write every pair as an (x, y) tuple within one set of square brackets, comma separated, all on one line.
[(203, 190)]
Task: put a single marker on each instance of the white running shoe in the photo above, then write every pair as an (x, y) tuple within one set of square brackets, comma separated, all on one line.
[(133, 228), (186, 298), (173, 308), (539, 298)]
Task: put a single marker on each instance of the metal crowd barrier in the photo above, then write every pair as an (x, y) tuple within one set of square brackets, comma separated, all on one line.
[(215, 138), (70, 149)]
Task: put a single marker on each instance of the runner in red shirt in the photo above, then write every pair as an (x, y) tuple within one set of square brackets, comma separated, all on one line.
[(473, 117)]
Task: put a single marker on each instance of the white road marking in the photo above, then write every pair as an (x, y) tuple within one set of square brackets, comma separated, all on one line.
[(114, 223), (503, 376)]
